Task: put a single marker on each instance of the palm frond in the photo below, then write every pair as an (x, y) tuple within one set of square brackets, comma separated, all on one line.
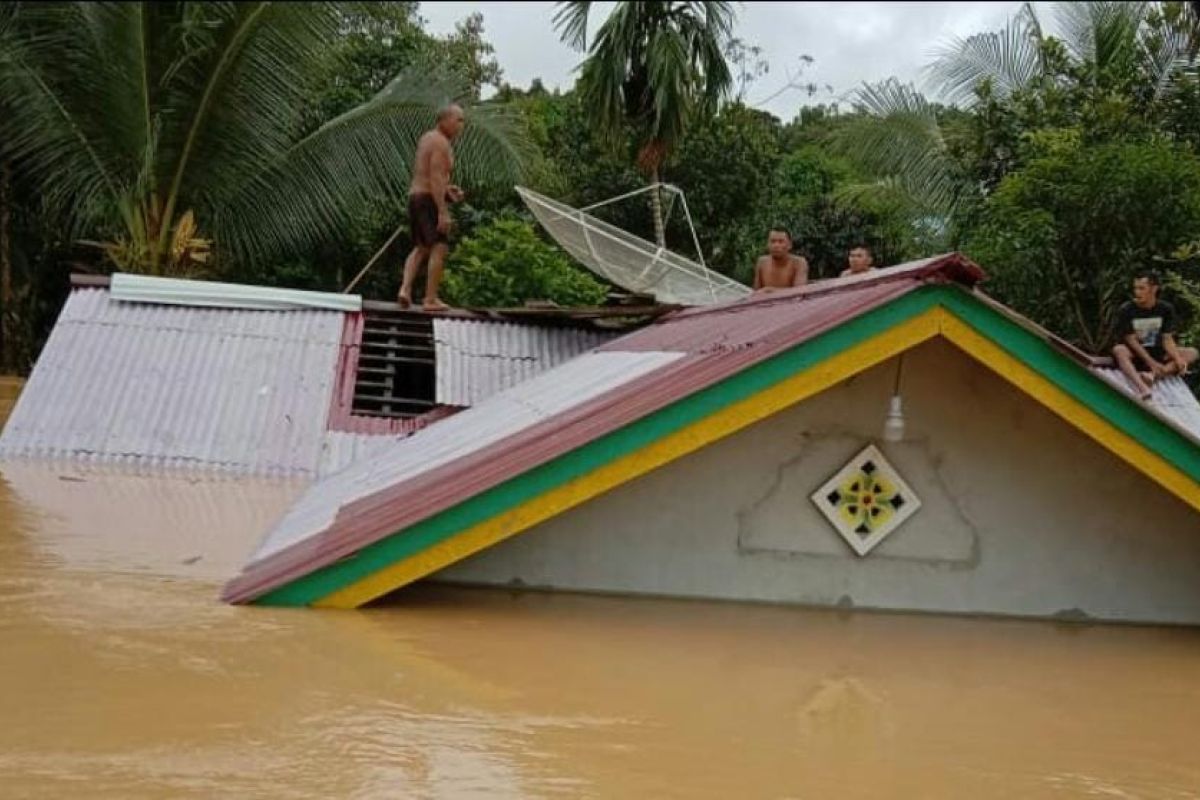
[(670, 76), (44, 132), (235, 92), (312, 191), (1101, 33), (570, 20), (897, 137), (1166, 53), (1010, 59)]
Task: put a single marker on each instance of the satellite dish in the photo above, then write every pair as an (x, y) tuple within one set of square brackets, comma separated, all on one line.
[(630, 261)]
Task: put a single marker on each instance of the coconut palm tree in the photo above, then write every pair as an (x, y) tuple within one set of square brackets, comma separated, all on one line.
[(652, 65), (1105, 47), (162, 126)]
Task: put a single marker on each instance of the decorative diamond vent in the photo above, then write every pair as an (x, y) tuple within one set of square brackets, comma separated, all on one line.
[(866, 500)]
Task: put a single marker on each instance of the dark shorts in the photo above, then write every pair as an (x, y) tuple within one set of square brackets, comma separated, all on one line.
[(422, 221)]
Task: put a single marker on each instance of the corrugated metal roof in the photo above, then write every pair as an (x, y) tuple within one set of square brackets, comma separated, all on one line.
[(477, 359), (169, 387), (197, 294), (493, 421), (690, 350), (340, 449), (1170, 397)]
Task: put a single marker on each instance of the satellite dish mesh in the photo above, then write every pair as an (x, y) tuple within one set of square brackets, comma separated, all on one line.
[(630, 261)]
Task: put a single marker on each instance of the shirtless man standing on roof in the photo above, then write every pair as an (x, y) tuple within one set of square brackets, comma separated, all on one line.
[(779, 269), (429, 196)]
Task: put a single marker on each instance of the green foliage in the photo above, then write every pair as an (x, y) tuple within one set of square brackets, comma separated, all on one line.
[(128, 116), (1063, 237), (727, 167), (505, 263)]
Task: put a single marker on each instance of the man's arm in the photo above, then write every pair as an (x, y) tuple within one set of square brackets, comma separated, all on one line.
[(801, 276), (1174, 354), (758, 282), (439, 181), (1135, 345)]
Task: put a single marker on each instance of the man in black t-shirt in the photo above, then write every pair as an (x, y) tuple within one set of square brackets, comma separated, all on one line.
[(1146, 330)]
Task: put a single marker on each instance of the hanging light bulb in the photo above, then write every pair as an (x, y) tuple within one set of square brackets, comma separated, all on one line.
[(893, 425)]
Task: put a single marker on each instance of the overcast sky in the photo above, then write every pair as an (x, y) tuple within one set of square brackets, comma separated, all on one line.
[(849, 42)]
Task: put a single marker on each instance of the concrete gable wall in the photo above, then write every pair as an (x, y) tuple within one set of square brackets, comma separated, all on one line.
[(1021, 514)]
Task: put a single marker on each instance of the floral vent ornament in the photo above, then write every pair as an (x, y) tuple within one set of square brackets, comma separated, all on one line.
[(866, 500)]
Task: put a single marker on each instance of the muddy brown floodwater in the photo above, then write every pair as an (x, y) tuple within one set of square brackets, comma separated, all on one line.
[(122, 676)]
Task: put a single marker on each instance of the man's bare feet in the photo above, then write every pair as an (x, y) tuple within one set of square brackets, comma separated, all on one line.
[(434, 305), (403, 300)]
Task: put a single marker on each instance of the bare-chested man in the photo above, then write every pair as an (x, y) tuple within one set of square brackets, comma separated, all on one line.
[(779, 269), (429, 196)]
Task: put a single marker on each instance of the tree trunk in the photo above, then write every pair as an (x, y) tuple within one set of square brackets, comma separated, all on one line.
[(660, 232), (8, 352)]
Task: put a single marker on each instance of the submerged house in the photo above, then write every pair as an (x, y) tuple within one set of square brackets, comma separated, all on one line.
[(199, 378), (735, 452)]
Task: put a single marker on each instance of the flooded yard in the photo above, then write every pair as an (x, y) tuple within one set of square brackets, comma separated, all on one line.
[(122, 676)]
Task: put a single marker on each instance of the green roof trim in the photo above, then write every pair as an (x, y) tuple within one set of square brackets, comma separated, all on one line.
[(1121, 410), (1034, 351)]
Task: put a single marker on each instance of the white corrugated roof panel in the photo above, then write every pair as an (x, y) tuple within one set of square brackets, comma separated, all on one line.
[(476, 358), (176, 291), (178, 387), (469, 431), (1171, 397)]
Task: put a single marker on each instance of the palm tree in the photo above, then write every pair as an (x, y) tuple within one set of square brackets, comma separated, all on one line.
[(165, 125), (1105, 46), (653, 65)]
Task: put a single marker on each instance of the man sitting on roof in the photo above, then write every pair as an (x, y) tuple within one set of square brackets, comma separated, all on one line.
[(860, 260), (1146, 327), (779, 269)]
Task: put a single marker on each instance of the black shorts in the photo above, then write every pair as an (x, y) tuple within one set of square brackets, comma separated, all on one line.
[(423, 219)]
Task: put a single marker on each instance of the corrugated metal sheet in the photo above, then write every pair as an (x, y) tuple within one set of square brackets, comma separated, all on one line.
[(340, 449), (1170, 397), (477, 359), (171, 387), (197, 294), (493, 421)]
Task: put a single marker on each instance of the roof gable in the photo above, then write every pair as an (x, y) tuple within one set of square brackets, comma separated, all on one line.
[(725, 377)]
